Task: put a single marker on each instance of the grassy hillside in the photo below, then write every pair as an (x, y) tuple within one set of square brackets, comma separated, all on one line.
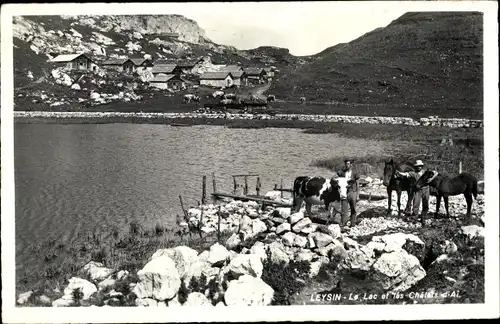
[(429, 60)]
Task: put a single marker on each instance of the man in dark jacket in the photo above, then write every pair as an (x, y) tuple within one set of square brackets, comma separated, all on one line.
[(422, 195), (352, 192)]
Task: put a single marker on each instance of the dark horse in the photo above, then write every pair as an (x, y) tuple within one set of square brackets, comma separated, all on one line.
[(464, 183), (399, 184)]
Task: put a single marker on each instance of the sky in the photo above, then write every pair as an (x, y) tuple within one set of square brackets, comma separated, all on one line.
[(305, 28)]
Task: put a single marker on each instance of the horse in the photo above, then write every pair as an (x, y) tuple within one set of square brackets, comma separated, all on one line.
[(464, 183), (398, 184)]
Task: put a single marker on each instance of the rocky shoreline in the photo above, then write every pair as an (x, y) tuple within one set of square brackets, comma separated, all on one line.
[(397, 255), (430, 121)]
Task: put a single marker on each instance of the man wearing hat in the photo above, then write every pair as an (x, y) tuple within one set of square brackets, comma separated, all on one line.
[(421, 195), (352, 192)]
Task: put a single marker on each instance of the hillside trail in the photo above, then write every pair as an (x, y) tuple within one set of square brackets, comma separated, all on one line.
[(258, 91)]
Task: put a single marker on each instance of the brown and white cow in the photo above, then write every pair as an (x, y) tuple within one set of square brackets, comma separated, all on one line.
[(319, 191)]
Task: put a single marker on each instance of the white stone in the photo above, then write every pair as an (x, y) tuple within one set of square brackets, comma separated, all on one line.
[(146, 302), (397, 271), (248, 291), (95, 95), (106, 283), (300, 241), (97, 271), (282, 228), (473, 231), (245, 264), (23, 298), (395, 241), (259, 249), (233, 241), (301, 224), (305, 255), (218, 255), (284, 212), (184, 258), (295, 217), (122, 274), (288, 238), (197, 299), (158, 279), (86, 287), (321, 239)]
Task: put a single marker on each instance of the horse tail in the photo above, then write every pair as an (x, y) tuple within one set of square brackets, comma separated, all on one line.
[(474, 188)]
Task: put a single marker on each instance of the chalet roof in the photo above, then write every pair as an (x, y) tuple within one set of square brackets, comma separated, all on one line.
[(164, 68), (253, 71), (231, 68), (139, 61), (162, 77), (115, 61), (237, 74), (68, 57), (215, 75)]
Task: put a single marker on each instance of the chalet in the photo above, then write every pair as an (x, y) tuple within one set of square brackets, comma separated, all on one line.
[(255, 75), (239, 76), (217, 79), (119, 64), (75, 62), (142, 64), (165, 69), (187, 66), (168, 81), (270, 71)]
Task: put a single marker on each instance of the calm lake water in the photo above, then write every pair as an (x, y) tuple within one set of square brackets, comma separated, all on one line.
[(72, 179)]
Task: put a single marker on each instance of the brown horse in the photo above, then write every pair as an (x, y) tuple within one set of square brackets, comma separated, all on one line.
[(399, 184), (464, 183)]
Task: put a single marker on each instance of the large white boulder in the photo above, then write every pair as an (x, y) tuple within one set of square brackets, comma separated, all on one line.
[(185, 258), (283, 212), (158, 279), (397, 271), (86, 288), (321, 239), (248, 291), (295, 217), (245, 264), (283, 228), (218, 255), (301, 224), (97, 271), (395, 241)]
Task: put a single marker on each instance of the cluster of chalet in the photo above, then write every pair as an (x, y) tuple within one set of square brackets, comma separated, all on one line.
[(167, 75)]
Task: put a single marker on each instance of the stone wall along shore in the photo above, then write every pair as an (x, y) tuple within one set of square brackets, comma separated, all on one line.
[(428, 121)]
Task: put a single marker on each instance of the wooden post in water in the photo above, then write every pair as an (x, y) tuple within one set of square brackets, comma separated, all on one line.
[(183, 210), (459, 167), (204, 190), (246, 186), (281, 187), (218, 225), (235, 185), (213, 182)]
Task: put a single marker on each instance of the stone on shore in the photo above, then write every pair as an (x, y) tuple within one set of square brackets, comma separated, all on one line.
[(248, 291), (159, 279)]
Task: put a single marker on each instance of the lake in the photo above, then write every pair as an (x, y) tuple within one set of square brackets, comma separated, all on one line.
[(75, 178)]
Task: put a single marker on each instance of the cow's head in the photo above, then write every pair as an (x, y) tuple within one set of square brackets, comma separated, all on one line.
[(341, 185), (426, 178)]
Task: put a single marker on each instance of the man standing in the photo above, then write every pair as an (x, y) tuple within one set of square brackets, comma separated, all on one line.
[(421, 195), (352, 192)]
